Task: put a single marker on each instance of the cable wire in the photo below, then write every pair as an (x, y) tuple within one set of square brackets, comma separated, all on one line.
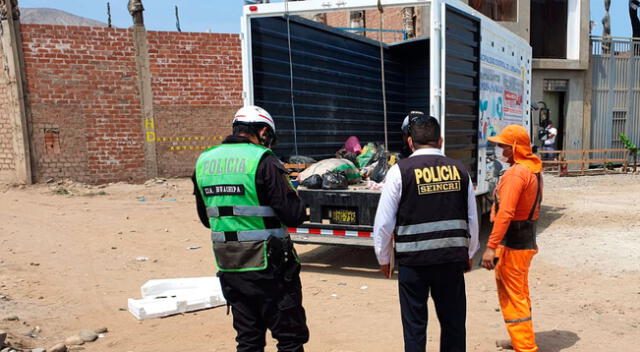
[(293, 106)]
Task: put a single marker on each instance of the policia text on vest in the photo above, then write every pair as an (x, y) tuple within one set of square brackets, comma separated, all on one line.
[(225, 166), (436, 179)]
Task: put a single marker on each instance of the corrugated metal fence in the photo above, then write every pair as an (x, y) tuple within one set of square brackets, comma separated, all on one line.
[(616, 91)]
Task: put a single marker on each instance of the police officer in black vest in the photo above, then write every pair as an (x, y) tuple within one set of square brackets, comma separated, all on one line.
[(428, 206)]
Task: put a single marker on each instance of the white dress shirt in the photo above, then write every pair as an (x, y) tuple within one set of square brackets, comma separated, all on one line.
[(385, 221)]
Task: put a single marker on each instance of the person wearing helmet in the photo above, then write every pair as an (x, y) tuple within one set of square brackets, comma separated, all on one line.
[(514, 216), (244, 195)]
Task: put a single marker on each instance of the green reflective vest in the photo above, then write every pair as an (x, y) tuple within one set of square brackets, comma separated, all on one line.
[(226, 179)]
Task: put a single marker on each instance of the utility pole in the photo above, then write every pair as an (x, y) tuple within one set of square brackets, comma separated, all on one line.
[(606, 28), (135, 9), (143, 67), (635, 25), (409, 21)]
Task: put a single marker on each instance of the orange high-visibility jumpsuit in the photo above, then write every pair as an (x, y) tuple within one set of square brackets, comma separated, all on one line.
[(516, 195)]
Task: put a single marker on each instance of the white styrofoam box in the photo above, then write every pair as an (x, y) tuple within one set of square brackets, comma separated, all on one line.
[(166, 297), (174, 287)]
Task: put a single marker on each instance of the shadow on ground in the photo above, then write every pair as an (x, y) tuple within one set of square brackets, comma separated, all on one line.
[(548, 215), (361, 261), (556, 340), (341, 260)]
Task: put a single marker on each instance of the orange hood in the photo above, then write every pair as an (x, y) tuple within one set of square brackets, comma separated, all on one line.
[(518, 138)]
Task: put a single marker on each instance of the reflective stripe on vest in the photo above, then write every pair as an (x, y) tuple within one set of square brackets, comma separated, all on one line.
[(437, 243), (241, 210), (435, 226), (252, 235)]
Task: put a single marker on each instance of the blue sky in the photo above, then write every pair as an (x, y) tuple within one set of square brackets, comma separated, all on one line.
[(224, 15)]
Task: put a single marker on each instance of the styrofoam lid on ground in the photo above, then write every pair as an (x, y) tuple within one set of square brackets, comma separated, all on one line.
[(166, 297), (179, 286)]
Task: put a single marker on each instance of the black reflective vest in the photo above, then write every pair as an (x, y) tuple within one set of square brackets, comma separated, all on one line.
[(432, 221)]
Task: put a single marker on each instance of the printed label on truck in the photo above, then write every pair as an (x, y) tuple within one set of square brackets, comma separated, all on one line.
[(501, 96)]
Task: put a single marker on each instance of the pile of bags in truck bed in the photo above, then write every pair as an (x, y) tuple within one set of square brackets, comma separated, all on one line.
[(353, 164)]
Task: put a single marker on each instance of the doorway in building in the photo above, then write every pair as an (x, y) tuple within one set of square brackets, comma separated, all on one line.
[(554, 97)]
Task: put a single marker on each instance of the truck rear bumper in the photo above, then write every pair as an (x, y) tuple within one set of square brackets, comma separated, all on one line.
[(332, 235)]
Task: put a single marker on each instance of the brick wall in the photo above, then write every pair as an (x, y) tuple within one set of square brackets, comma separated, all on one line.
[(392, 19), (338, 19), (84, 98), (197, 87), (7, 164), (83, 91)]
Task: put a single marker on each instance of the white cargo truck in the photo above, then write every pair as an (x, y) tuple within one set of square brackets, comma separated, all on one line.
[(324, 82)]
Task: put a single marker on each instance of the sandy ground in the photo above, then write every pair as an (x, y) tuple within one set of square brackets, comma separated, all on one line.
[(68, 262)]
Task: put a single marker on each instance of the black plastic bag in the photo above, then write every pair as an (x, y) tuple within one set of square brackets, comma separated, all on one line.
[(312, 182), (334, 180), (380, 171), (301, 159), (342, 154)]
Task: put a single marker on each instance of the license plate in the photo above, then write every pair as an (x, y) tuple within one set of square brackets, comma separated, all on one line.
[(344, 216)]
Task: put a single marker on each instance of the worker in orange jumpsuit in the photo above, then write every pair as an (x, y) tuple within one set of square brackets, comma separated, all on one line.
[(512, 243)]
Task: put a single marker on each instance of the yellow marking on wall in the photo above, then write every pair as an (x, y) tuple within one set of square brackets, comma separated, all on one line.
[(183, 143), (149, 128)]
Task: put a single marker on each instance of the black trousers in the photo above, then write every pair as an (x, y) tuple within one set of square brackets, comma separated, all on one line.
[(445, 282), (267, 300)]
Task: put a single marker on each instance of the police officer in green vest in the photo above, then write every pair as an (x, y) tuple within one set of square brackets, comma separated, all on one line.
[(244, 195)]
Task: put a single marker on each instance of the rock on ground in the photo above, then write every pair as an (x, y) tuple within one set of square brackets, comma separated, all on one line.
[(60, 347), (88, 335), (73, 340)]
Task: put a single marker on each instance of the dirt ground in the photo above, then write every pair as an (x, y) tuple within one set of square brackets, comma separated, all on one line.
[(68, 262)]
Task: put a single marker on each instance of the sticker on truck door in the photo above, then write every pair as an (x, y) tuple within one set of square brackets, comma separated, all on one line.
[(501, 96)]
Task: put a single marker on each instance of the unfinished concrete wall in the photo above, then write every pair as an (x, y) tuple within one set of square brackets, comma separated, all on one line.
[(7, 162), (575, 109)]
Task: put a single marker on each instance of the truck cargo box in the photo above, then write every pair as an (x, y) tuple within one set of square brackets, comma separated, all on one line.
[(323, 83)]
